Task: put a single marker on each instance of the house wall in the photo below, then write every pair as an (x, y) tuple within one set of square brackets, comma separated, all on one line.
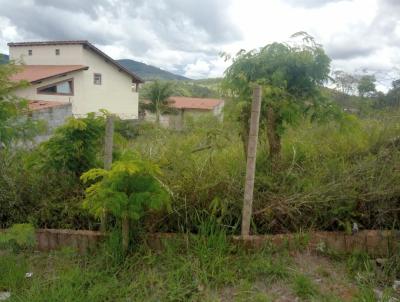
[(116, 93), (45, 55), (54, 117), (30, 92), (164, 118), (218, 111), (176, 121)]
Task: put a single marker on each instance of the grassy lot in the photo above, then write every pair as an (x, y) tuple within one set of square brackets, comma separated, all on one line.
[(203, 269)]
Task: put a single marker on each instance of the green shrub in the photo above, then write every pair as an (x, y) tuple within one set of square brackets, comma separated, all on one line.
[(126, 191), (75, 147), (18, 237), (303, 287), (331, 176), (46, 199)]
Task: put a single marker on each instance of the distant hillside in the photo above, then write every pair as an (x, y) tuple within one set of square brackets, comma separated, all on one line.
[(145, 71), (3, 58), (149, 72)]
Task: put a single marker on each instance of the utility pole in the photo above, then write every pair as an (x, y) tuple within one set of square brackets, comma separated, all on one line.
[(251, 161)]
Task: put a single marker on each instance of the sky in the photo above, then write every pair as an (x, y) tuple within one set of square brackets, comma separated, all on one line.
[(187, 36)]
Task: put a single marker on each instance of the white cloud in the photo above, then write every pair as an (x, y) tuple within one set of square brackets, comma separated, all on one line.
[(185, 36), (198, 69)]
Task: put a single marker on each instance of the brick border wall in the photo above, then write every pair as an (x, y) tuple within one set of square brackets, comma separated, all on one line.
[(374, 242), (79, 240)]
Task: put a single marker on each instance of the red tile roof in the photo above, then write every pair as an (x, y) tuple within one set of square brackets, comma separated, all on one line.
[(86, 44), (34, 73), (182, 102), (38, 105)]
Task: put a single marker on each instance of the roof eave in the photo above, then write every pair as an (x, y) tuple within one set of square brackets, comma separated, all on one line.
[(134, 76), (57, 75)]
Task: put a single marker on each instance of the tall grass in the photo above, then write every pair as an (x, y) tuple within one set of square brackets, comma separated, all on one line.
[(331, 176)]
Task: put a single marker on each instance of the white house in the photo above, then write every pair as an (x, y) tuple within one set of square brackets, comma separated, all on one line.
[(75, 72)]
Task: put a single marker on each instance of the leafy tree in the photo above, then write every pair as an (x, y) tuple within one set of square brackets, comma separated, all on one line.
[(14, 121), (345, 83), (126, 191), (75, 146), (366, 85), (392, 98), (396, 84), (158, 94), (290, 76)]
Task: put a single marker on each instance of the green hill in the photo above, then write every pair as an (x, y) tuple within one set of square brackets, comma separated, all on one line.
[(3, 58), (145, 71), (149, 72)]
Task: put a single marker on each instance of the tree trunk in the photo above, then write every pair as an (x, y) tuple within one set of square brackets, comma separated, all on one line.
[(251, 161), (158, 117), (274, 140), (125, 232), (108, 148)]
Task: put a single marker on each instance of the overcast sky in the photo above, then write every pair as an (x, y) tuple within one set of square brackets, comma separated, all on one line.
[(186, 36)]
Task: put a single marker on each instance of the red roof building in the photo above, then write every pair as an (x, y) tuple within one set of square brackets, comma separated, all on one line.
[(187, 107), (182, 102)]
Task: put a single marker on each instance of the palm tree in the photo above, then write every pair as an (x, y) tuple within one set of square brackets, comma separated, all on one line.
[(158, 94)]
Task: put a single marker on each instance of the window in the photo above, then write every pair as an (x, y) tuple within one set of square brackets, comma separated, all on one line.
[(61, 88), (97, 78), (57, 52), (30, 52)]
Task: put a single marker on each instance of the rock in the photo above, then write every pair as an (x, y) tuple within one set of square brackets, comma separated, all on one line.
[(378, 294), (380, 261), (396, 285), (4, 296), (355, 228)]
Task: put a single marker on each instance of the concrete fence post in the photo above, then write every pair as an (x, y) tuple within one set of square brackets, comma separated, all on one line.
[(251, 161)]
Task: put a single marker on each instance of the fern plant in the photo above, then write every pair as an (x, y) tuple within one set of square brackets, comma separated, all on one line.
[(126, 191)]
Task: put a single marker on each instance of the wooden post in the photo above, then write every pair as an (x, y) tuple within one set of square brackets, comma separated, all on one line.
[(251, 161), (108, 148)]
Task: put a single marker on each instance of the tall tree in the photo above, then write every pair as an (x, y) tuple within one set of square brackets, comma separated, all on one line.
[(392, 98), (158, 94), (290, 75), (366, 85), (345, 83)]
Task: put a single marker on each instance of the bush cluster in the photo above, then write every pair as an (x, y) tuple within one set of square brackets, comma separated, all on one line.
[(331, 176)]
